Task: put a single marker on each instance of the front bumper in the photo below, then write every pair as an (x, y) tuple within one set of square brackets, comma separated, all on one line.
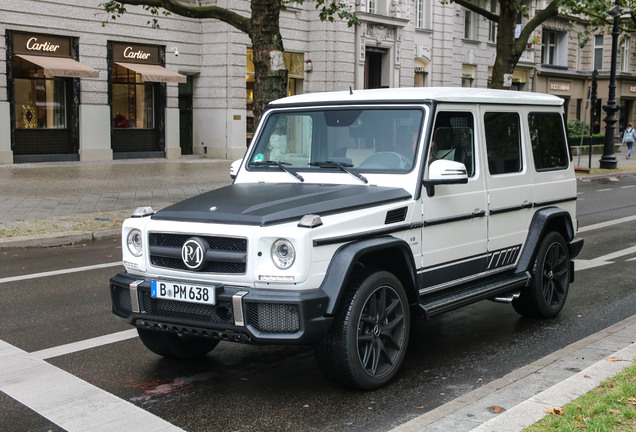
[(239, 315)]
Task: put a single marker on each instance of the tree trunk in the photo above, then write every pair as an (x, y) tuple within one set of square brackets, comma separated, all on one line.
[(269, 60), (507, 51)]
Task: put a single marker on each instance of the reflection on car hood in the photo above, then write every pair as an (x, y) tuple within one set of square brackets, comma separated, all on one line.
[(266, 203)]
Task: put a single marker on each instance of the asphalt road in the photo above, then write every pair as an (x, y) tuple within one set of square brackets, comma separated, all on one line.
[(248, 388)]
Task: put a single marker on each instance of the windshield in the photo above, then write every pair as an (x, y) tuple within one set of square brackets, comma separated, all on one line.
[(361, 139)]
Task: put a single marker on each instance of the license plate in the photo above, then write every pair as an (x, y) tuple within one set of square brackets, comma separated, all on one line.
[(183, 292)]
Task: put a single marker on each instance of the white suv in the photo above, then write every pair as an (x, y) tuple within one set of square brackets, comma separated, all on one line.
[(353, 212)]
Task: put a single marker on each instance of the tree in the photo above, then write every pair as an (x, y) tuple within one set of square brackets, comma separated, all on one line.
[(262, 27)]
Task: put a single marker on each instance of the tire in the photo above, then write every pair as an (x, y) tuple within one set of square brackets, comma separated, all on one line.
[(171, 345), (546, 295), (367, 341)]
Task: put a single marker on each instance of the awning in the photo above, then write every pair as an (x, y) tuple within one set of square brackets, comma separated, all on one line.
[(61, 66), (154, 72)]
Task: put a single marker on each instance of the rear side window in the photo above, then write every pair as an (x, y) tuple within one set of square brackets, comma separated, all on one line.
[(503, 142), (549, 146)]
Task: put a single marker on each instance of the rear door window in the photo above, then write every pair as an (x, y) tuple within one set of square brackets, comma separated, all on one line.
[(549, 146)]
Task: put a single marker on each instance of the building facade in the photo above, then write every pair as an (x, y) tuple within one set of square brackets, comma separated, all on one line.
[(73, 88)]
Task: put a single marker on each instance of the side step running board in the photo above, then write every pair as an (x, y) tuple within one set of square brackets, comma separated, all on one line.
[(443, 301)]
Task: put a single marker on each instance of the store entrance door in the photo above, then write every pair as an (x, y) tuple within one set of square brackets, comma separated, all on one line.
[(185, 116)]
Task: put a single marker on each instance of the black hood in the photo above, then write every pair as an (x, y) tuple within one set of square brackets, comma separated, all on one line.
[(266, 203)]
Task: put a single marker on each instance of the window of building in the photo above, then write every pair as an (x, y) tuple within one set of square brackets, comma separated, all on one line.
[(624, 66), (422, 13), (503, 142), (133, 100), (598, 52), (372, 6), (492, 26), (549, 146), (554, 48), (468, 75), (40, 100), (469, 25), (421, 72)]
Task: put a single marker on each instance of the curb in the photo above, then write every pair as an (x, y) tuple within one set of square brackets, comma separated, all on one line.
[(57, 239), (570, 386)]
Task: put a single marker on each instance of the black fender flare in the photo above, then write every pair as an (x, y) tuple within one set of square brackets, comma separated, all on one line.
[(544, 220), (343, 262)]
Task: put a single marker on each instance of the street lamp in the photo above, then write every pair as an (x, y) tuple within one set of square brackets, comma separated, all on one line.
[(608, 160)]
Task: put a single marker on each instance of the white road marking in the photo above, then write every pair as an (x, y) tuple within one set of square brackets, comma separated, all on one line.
[(603, 260), (66, 400), (59, 272), (84, 344), (603, 190), (607, 224)]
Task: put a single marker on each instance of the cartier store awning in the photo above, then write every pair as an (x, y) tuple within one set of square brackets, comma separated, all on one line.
[(61, 66), (154, 73)]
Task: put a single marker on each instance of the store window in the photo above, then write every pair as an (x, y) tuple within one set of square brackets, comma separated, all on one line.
[(43, 89), (133, 100), (468, 75), (40, 101), (137, 90), (421, 72)]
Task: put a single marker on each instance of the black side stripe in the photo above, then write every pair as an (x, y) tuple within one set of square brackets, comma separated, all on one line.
[(529, 205), (366, 234), (457, 218)]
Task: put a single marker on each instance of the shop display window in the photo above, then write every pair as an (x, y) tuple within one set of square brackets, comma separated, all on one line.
[(133, 100), (40, 101)]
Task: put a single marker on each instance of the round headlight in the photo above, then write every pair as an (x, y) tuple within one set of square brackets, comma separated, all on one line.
[(283, 254), (135, 242)]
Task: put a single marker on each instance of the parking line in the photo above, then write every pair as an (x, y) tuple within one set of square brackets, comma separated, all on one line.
[(66, 400), (84, 344), (59, 272), (606, 224)]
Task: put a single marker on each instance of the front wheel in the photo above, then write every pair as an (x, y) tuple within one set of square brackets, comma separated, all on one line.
[(545, 297), (368, 339), (173, 346)]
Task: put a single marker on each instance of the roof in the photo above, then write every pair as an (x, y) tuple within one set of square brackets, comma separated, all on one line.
[(420, 94)]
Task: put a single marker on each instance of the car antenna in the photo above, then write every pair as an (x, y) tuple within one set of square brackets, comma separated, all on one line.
[(350, 90)]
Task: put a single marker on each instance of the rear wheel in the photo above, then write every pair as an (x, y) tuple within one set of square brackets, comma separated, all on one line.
[(545, 297), (173, 346), (369, 336)]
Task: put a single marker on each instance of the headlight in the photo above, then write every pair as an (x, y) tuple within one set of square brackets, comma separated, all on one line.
[(283, 254), (135, 242)]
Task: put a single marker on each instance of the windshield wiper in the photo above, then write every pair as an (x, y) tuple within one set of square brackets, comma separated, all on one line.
[(280, 165), (342, 166)]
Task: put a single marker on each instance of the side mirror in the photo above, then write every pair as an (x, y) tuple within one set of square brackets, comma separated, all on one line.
[(444, 172), (234, 168)]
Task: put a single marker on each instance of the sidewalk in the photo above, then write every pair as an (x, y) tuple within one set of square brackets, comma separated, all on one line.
[(52, 204)]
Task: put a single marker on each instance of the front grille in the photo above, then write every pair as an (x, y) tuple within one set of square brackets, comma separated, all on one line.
[(274, 317), (121, 299), (221, 313), (227, 255)]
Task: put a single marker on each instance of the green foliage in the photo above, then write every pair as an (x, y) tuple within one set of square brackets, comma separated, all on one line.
[(577, 128)]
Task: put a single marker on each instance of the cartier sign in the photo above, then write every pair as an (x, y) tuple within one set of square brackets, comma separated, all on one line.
[(41, 44), (133, 53)]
